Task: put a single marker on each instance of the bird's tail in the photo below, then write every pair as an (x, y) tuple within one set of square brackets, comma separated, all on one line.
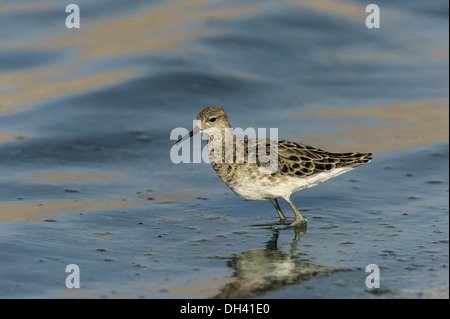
[(352, 159)]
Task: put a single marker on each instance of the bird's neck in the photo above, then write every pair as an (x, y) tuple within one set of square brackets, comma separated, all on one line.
[(218, 142)]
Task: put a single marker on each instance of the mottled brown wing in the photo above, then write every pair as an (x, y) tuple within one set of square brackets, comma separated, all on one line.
[(303, 160)]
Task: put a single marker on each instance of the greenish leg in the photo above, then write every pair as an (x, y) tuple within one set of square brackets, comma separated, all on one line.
[(275, 203), (299, 219)]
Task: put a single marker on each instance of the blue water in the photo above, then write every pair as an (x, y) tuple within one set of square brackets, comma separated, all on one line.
[(175, 227)]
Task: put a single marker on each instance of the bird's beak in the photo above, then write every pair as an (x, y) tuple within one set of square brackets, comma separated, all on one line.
[(196, 130)]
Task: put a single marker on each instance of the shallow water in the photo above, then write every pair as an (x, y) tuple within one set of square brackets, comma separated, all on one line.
[(86, 177)]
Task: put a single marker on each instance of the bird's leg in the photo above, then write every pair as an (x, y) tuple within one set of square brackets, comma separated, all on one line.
[(275, 203), (299, 219)]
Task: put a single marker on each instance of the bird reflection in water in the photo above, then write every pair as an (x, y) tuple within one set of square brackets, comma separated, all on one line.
[(259, 271)]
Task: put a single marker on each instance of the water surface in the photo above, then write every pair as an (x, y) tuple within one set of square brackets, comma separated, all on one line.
[(86, 177)]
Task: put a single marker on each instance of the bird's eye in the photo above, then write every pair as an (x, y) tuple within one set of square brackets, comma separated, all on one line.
[(213, 119)]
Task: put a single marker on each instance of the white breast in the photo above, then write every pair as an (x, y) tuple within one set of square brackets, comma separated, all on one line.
[(264, 187)]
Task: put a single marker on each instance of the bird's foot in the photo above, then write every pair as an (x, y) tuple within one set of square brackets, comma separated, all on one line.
[(299, 222)]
